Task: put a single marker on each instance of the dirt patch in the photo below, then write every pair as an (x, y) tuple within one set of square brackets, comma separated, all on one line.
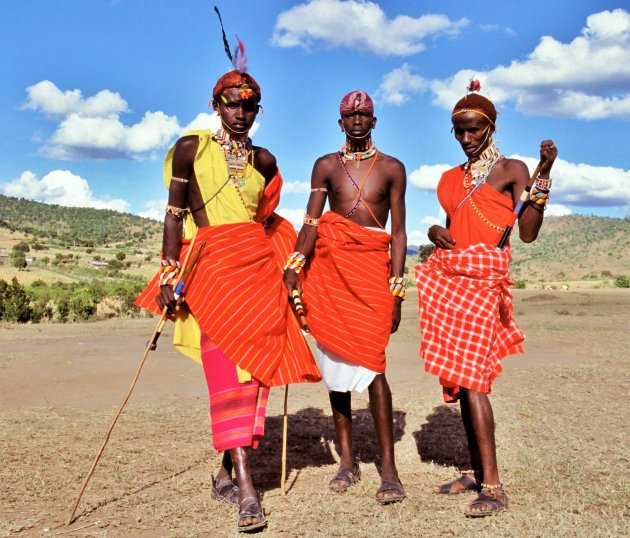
[(561, 413), (540, 297)]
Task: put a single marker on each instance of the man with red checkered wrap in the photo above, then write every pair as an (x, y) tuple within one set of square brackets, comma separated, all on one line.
[(465, 300)]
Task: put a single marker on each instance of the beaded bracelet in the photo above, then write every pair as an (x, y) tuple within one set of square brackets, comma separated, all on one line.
[(543, 183), (539, 197), (397, 286), (170, 269), (310, 220), (295, 262), (177, 212)]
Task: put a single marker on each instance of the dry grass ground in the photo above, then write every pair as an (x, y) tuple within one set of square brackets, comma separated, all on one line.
[(561, 413)]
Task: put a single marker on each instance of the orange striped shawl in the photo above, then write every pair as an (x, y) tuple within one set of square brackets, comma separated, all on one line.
[(237, 296), (346, 293)]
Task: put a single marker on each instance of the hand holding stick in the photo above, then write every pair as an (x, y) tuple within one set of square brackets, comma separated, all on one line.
[(548, 153)]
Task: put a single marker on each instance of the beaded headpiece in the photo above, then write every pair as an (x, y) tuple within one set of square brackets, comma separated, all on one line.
[(238, 78), (473, 102), (356, 100)]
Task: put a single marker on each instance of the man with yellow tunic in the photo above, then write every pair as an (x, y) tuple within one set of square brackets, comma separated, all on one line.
[(236, 318)]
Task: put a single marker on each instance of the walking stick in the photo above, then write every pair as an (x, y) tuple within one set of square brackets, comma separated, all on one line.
[(151, 344), (285, 424), (299, 310), (519, 207)]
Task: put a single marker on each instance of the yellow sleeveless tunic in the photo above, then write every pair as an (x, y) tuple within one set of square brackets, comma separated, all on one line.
[(224, 207)]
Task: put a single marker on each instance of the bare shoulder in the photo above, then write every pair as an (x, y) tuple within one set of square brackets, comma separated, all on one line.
[(187, 146), (515, 168), (265, 162), (394, 165), (326, 163)]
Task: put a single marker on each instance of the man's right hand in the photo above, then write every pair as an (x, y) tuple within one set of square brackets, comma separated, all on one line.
[(291, 281), (441, 237), (166, 297)]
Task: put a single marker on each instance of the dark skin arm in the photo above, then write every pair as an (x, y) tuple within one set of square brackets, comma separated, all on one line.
[(510, 178), (399, 234), (315, 207)]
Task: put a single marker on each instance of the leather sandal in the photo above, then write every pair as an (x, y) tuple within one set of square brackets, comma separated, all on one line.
[(251, 509), (388, 485), (226, 492), (492, 497), (347, 477), (462, 484)]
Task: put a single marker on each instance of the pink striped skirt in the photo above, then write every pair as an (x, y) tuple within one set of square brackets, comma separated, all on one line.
[(237, 410)]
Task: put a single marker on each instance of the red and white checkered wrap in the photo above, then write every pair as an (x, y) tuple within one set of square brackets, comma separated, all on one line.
[(466, 316)]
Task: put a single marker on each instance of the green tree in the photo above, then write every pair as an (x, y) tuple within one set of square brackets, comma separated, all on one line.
[(424, 252), (16, 303), (17, 258)]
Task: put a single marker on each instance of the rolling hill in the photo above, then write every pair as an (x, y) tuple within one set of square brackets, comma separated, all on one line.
[(573, 247)]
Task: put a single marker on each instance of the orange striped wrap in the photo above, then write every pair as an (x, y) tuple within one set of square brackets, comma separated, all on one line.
[(237, 295), (348, 303)]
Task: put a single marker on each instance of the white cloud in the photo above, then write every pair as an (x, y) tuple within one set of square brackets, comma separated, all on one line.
[(587, 78), (396, 85), (296, 187), (52, 102), (60, 187), (90, 128), (496, 28), (154, 209), (426, 177), (419, 237), (557, 210), (585, 185), (294, 216), (358, 24)]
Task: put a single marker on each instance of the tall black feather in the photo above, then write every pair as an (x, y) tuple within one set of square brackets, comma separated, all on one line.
[(225, 41)]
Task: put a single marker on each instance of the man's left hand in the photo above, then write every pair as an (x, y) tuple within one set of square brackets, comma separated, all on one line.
[(548, 154), (396, 315)]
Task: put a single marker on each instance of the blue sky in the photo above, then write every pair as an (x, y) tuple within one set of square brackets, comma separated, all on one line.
[(94, 92)]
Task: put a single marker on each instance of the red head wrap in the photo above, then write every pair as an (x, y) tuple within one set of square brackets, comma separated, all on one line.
[(237, 79), (474, 102), (356, 100)]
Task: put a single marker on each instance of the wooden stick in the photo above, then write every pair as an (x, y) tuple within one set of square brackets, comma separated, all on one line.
[(284, 441), (518, 208), (299, 310), (150, 345)]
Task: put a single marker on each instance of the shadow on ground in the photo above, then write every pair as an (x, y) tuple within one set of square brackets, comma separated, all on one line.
[(442, 439), (311, 439)]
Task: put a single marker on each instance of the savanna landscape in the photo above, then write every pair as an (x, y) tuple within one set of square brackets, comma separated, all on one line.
[(561, 409)]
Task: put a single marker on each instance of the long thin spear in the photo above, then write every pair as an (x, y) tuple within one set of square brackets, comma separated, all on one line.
[(179, 287)]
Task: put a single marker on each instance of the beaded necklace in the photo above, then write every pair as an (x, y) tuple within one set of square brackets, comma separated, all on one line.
[(236, 155), (347, 155), (475, 175), (476, 172)]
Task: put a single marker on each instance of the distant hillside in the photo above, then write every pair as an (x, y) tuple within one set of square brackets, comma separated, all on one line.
[(76, 226), (574, 247)]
